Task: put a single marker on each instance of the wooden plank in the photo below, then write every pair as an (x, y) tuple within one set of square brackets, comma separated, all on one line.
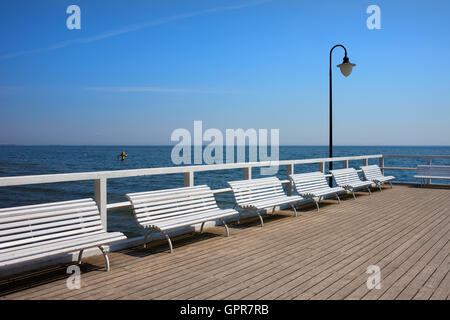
[(317, 255)]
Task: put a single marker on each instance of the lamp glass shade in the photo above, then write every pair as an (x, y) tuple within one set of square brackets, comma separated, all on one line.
[(346, 68)]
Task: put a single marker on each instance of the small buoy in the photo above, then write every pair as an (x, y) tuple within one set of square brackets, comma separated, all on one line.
[(122, 155)]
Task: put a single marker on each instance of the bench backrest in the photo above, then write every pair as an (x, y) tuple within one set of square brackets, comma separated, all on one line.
[(49, 222), (344, 177), (371, 172), (245, 191), (433, 170), (152, 207), (306, 183)]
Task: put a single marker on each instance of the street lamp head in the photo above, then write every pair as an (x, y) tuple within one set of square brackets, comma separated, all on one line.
[(346, 67)]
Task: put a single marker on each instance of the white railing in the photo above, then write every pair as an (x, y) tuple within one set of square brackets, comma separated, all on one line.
[(101, 177), (428, 158)]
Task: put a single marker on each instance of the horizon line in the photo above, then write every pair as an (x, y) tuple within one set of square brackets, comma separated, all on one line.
[(203, 145)]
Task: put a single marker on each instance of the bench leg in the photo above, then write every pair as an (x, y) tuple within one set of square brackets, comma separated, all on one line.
[(201, 228), (353, 193), (390, 184), (226, 227), (239, 218), (105, 255), (316, 203), (80, 255), (168, 240), (162, 232), (273, 210), (293, 208), (368, 189), (338, 199), (260, 218)]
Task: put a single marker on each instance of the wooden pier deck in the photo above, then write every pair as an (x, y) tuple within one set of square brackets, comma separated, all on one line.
[(318, 255)]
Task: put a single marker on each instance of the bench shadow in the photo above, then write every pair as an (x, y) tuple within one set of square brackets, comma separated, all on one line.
[(31, 279), (161, 246)]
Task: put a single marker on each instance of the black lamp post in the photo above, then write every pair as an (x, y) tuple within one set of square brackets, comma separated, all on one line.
[(346, 69)]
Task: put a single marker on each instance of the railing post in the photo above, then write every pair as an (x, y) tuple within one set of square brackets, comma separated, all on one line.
[(429, 163), (381, 164), (100, 199), (248, 173), (322, 167), (289, 186), (345, 164), (365, 162), (189, 179)]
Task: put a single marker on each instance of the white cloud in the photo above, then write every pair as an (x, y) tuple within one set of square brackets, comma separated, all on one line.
[(152, 89)]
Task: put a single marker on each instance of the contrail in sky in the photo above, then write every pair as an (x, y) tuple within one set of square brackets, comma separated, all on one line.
[(131, 28)]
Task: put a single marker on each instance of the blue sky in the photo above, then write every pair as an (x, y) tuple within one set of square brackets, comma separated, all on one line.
[(137, 70)]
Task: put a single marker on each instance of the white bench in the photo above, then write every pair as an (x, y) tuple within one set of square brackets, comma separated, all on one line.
[(349, 180), (373, 173), (432, 172), (34, 232), (260, 194), (164, 210), (313, 185)]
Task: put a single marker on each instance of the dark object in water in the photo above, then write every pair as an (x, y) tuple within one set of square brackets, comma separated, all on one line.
[(122, 156)]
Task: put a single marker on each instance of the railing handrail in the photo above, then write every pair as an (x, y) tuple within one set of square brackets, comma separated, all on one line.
[(100, 177), (416, 156), (113, 174)]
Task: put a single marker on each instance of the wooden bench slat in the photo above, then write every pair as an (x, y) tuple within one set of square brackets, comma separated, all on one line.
[(260, 194), (373, 173), (163, 192), (35, 216), (51, 204), (149, 216), (49, 236), (56, 242), (18, 211), (164, 195), (50, 224), (36, 231), (52, 229), (432, 172), (71, 245), (314, 185), (17, 224), (349, 179), (163, 210), (143, 207)]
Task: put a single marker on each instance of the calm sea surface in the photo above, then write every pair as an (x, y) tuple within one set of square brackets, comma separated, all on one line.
[(33, 160)]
